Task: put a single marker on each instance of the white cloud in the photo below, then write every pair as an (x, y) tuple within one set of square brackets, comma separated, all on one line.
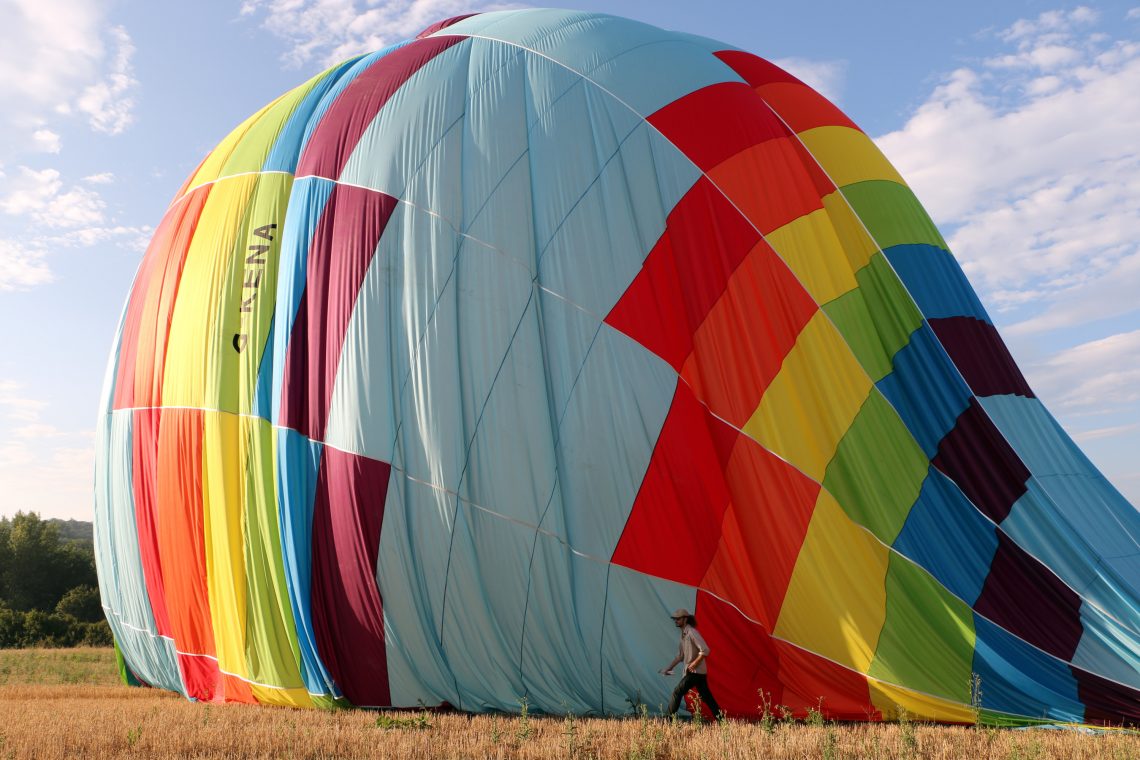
[(329, 31), (1105, 432), (1100, 376), (1030, 160), (103, 178), (1133, 13), (46, 141), (39, 196), (21, 267), (108, 103), (826, 77)]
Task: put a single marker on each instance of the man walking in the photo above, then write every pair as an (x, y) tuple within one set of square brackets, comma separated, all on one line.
[(693, 651)]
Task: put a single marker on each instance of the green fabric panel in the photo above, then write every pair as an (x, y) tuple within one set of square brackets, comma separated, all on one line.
[(927, 640), (251, 151), (892, 214), (274, 653), (853, 319), (125, 674), (877, 470)]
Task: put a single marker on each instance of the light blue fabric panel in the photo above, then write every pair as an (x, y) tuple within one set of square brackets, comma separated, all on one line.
[(1018, 678), (947, 536), (338, 87), (287, 147), (298, 462), (1094, 509), (409, 129), (561, 657), (122, 587), (511, 461), (486, 593), (925, 390), (410, 571), (599, 249), (307, 201), (638, 639), (606, 440), (568, 334), (935, 281), (1109, 647)]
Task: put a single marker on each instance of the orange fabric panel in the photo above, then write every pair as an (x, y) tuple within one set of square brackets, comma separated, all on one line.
[(813, 681), (769, 183), (801, 107), (739, 347)]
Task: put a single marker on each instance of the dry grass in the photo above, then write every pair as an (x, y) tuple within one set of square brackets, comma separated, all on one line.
[(65, 703)]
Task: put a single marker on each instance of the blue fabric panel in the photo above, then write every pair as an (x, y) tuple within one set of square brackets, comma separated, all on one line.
[(597, 251), (298, 461), (410, 571), (287, 148), (1094, 509), (1109, 648), (1018, 678), (307, 202), (935, 281), (638, 639), (925, 390), (263, 393), (948, 537), (122, 583)]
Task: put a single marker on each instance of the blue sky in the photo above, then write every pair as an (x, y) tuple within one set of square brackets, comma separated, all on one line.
[(1017, 124)]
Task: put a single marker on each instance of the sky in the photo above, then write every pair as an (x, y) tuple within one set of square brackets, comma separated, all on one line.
[(1016, 123)]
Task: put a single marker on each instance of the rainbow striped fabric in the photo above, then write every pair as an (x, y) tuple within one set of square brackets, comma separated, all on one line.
[(450, 373)]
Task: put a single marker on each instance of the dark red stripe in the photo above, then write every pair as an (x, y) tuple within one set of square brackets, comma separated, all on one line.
[(981, 356), (754, 69), (799, 105), (717, 122), (348, 615), (1106, 702), (688, 269), (144, 442), (978, 458), (341, 127), (341, 252), (1022, 596), (441, 25)]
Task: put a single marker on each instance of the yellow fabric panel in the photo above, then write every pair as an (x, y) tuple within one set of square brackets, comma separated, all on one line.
[(251, 150), (854, 241), (225, 454), (281, 697), (813, 399), (211, 168), (814, 253), (888, 698), (226, 294), (848, 156), (836, 600)]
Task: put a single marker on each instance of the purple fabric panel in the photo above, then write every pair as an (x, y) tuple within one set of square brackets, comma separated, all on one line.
[(981, 356), (348, 615), (343, 246), (977, 457), (1106, 702), (340, 129), (1025, 598), (440, 25)]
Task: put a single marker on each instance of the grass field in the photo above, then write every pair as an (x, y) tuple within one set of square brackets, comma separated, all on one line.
[(68, 703)]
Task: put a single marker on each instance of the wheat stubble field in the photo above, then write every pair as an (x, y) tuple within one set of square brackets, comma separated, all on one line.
[(67, 703)]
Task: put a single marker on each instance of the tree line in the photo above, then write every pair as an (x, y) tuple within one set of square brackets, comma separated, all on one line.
[(49, 594)]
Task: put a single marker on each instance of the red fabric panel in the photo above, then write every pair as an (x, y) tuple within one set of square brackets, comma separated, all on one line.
[(807, 677), (341, 127), (762, 531), (743, 661), (741, 344), (440, 25), (348, 617), (235, 689), (772, 183), (674, 526), (705, 240), (342, 249), (182, 551), (801, 107), (1107, 703), (1022, 596), (754, 69), (144, 444), (979, 459), (716, 122), (981, 356), (154, 329)]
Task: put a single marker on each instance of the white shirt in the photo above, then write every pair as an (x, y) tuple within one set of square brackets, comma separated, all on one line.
[(693, 643)]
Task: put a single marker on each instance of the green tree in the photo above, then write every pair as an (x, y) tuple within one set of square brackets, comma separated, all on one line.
[(38, 568), (81, 603)]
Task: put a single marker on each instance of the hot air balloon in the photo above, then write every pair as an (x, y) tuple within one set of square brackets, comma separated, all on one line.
[(448, 374)]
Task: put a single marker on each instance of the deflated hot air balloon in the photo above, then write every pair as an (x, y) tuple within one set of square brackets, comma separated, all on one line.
[(449, 374)]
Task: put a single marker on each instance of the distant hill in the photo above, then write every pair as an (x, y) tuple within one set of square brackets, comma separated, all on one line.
[(79, 531)]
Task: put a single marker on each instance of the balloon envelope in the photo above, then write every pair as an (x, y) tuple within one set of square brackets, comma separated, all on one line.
[(449, 374)]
